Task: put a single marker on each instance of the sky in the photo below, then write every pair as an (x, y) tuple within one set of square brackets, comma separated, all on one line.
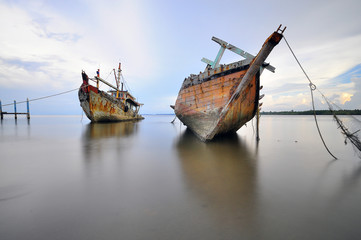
[(45, 44)]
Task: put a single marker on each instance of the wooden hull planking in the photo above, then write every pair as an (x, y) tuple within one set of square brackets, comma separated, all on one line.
[(222, 99), (199, 106)]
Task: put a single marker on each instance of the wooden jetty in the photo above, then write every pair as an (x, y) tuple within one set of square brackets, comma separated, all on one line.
[(15, 113)]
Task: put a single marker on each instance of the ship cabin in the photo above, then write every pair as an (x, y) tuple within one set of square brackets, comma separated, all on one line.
[(127, 98)]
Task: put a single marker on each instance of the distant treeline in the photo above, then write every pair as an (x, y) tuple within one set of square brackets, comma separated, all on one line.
[(318, 112)]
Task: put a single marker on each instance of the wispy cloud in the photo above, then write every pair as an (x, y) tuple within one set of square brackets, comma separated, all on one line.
[(26, 65), (45, 45), (343, 90)]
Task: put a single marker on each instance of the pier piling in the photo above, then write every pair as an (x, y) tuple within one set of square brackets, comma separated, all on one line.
[(1, 111), (16, 113), (16, 116), (28, 108)]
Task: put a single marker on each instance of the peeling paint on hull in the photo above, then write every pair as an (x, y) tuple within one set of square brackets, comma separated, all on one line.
[(101, 107), (199, 106), (221, 100)]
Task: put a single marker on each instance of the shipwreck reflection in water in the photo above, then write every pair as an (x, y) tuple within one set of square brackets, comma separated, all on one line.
[(222, 174), (108, 130), (106, 140)]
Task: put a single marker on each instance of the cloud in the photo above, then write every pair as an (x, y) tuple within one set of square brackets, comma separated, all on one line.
[(355, 99), (122, 32), (48, 47), (343, 90), (27, 65), (36, 54), (330, 64), (45, 45)]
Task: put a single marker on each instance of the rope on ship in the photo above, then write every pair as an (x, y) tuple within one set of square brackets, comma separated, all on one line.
[(15, 113), (49, 96), (351, 136)]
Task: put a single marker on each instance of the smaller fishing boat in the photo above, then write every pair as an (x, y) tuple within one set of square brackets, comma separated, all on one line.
[(116, 104)]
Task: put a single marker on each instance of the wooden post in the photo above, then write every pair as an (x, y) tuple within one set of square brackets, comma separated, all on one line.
[(1, 111), (16, 116), (257, 128), (28, 108)]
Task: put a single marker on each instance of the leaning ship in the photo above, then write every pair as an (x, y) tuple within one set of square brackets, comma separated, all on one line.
[(223, 98), (114, 105)]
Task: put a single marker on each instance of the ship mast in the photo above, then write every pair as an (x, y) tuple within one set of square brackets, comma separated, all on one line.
[(117, 79), (119, 72)]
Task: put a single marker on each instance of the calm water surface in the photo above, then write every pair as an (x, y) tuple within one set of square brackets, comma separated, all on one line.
[(64, 178)]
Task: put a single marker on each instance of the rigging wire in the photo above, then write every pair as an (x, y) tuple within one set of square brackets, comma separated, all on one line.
[(125, 83), (101, 84), (312, 88), (108, 75)]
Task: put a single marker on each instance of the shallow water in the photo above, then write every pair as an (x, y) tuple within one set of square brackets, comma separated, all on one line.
[(63, 178)]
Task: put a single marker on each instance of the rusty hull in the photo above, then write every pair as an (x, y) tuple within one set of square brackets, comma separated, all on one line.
[(101, 107)]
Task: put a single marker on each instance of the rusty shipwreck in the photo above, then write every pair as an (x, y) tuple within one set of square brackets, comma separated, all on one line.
[(223, 98), (116, 104)]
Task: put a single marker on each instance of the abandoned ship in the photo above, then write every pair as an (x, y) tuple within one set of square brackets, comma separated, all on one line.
[(116, 104), (222, 98)]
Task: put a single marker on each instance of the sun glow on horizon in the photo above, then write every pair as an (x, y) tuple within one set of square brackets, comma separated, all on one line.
[(345, 97)]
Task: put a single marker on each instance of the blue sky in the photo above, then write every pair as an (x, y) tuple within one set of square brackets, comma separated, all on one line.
[(46, 44)]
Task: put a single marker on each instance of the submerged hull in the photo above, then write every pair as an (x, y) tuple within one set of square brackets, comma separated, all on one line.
[(99, 106), (221, 100)]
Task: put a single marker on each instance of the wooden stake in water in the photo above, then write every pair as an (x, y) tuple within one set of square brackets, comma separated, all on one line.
[(28, 108), (1, 111), (16, 116)]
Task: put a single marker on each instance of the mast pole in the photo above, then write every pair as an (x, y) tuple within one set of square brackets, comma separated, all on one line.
[(116, 78), (120, 72), (117, 83)]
